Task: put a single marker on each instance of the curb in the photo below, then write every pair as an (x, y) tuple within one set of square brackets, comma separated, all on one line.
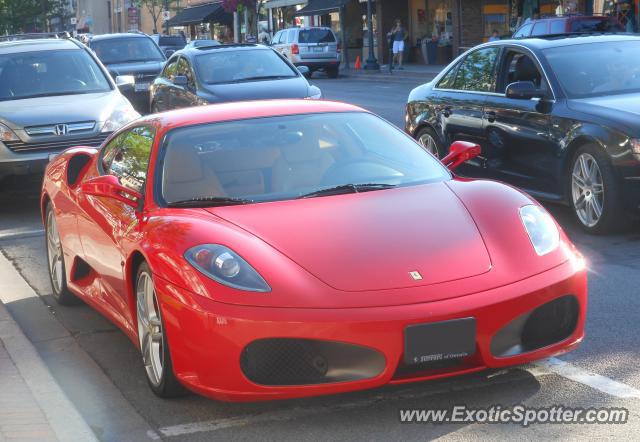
[(63, 417)]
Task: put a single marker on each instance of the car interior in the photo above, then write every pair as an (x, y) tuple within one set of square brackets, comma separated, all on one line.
[(520, 67)]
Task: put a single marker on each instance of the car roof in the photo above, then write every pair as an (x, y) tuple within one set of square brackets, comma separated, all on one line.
[(572, 17), (120, 35), (191, 50), (36, 44), (566, 40), (245, 110)]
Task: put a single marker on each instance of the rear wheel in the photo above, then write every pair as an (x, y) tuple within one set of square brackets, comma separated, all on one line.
[(55, 261), (429, 141), (153, 339), (595, 191), (332, 72)]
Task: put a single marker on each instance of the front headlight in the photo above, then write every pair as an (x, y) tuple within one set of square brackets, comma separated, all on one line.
[(7, 134), (541, 228), (119, 118), (223, 265)]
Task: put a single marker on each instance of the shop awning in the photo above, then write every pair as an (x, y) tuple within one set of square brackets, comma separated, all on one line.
[(271, 4), (320, 7), (209, 12)]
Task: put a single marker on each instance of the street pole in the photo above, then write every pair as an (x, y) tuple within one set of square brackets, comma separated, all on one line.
[(372, 63), (166, 22)]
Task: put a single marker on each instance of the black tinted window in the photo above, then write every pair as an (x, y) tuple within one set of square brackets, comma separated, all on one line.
[(170, 69), (448, 80), (476, 73), (604, 24), (127, 157), (173, 40), (316, 36), (125, 50)]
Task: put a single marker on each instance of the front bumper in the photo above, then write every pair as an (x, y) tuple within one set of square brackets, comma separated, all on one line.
[(208, 338)]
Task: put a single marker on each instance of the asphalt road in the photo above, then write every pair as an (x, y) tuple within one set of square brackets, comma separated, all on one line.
[(101, 372)]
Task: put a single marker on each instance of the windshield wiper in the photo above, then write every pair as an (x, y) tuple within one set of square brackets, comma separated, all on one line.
[(262, 77), (348, 188), (212, 201)]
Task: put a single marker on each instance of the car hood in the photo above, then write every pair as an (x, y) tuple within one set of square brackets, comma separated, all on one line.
[(149, 67), (625, 107), (257, 90), (372, 241), (60, 109)]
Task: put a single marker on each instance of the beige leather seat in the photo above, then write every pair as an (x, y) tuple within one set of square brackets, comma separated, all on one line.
[(187, 177), (301, 165)]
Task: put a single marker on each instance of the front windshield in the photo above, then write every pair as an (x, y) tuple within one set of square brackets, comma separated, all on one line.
[(48, 73), (288, 157), (226, 66), (126, 50), (597, 69)]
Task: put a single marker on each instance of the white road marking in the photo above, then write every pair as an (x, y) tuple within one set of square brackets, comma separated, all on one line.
[(541, 368), (593, 380), (21, 234)]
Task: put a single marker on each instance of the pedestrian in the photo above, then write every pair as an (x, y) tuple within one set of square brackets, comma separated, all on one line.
[(494, 36), (398, 35)]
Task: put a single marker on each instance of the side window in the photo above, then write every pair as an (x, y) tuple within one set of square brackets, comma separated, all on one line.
[(520, 67), (557, 27), (184, 68), (448, 80), (476, 73), (524, 31), (292, 36), (539, 28), (127, 156), (170, 69), (276, 38)]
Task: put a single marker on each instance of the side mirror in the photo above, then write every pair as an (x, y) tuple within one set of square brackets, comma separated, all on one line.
[(459, 152), (523, 90), (125, 83), (304, 70), (108, 186), (180, 80)]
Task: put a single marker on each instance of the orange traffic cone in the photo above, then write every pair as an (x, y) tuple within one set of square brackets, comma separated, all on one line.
[(358, 63)]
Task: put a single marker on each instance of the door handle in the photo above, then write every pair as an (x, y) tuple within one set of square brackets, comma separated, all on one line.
[(490, 116), (446, 112)]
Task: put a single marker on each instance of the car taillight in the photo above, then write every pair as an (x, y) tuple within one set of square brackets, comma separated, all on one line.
[(295, 50)]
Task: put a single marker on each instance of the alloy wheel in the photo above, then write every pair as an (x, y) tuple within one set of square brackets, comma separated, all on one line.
[(54, 253), (150, 328), (587, 189), (429, 144)]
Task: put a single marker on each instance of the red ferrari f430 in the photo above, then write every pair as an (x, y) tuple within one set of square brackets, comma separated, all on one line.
[(281, 249)]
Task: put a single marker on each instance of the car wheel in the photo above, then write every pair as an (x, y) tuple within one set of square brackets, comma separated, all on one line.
[(153, 339), (55, 261), (594, 190), (332, 72), (429, 141)]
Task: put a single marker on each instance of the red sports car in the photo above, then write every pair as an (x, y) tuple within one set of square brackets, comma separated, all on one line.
[(280, 249)]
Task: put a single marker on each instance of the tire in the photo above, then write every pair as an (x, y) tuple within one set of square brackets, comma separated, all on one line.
[(594, 191), (55, 261), (436, 147), (154, 347), (332, 72)]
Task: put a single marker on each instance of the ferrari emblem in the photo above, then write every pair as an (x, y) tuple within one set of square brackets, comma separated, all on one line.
[(415, 275)]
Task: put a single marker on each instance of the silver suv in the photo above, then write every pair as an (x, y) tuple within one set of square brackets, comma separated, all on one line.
[(54, 94), (316, 48)]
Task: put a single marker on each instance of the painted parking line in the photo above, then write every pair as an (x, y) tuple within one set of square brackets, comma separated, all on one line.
[(542, 368)]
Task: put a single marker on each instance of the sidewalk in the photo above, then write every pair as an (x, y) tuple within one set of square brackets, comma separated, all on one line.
[(420, 72), (32, 405)]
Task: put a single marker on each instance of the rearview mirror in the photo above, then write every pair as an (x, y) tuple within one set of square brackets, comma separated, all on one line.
[(523, 90), (180, 80), (108, 186), (459, 152), (125, 82)]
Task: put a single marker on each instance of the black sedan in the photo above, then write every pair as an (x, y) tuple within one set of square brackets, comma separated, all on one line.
[(220, 73), (557, 117)]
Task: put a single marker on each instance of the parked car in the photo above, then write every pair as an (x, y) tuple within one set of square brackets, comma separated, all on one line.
[(572, 24), (131, 54), (54, 94), (220, 73), (169, 43), (316, 48), (202, 43), (287, 248), (557, 117)]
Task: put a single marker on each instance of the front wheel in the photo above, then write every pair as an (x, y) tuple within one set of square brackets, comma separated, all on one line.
[(429, 141), (595, 191), (55, 261), (153, 339)]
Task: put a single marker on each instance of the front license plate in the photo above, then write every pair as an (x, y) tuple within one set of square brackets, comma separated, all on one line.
[(439, 341), (139, 87)]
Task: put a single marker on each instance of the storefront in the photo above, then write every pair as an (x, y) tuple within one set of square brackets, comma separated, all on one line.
[(281, 14)]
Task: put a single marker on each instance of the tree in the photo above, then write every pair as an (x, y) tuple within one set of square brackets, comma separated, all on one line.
[(252, 7), (155, 8), (28, 15)]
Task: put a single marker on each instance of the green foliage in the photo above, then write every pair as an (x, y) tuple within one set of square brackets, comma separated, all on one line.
[(28, 15)]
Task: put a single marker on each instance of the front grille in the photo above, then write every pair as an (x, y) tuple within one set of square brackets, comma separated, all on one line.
[(63, 143), (53, 129), (145, 78)]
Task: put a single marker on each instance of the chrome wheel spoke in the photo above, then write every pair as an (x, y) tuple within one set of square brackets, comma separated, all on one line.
[(150, 328), (587, 189)]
